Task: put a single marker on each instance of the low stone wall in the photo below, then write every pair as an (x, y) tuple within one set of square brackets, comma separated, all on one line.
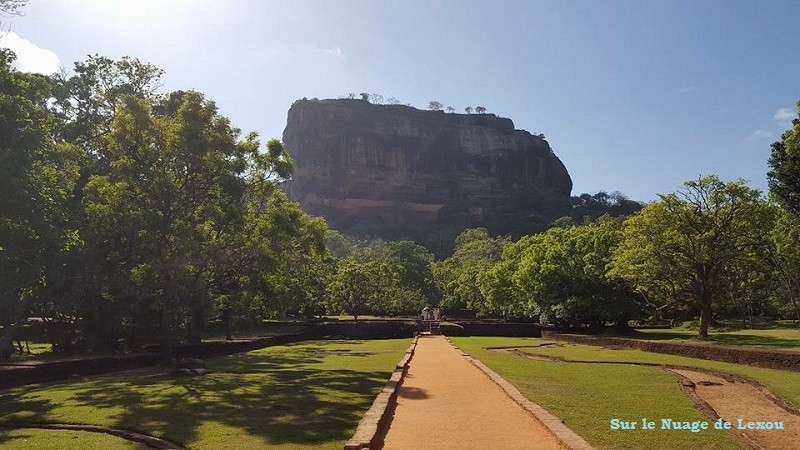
[(377, 418), (372, 329), (41, 371), (773, 359), (485, 328)]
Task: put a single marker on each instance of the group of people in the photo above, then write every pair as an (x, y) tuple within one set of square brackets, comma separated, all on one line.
[(432, 314)]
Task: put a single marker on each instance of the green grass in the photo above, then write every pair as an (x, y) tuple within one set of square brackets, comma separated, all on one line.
[(33, 439), (297, 396), (774, 337), (38, 350), (371, 317), (588, 396)]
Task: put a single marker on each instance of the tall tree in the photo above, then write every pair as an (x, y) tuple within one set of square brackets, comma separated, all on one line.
[(37, 178), (685, 247), (175, 188), (457, 276), (357, 286), (784, 162)]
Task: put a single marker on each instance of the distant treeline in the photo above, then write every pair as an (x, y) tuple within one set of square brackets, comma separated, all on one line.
[(130, 216)]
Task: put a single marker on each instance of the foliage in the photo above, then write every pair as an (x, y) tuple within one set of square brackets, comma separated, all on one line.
[(135, 214), (480, 109), (378, 277), (457, 276), (435, 105), (560, 275), (784, 162), (12, 7), (785, 240), (37, 178), (687, 247), (587, 207)]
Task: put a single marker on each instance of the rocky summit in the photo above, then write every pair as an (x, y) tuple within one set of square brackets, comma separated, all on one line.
[(396, 171)]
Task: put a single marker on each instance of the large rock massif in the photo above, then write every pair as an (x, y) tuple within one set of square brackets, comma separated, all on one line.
[(396, 171)]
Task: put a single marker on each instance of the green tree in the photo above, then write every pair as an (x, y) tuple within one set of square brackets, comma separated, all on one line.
[(685, 247), (357, 286), (435, 105), (562, 275), (37, 178), (172, 204), (785, 238), (784, 162), (411, 264), (457, 276)]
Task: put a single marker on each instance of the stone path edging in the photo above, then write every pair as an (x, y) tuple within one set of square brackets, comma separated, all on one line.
[(378, 415), (553, 424), (133, 436)]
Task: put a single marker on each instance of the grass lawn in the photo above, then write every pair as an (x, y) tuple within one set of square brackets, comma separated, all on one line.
[(38, 349), (32, 439), (297, 396), (588, 396), (771, 337)]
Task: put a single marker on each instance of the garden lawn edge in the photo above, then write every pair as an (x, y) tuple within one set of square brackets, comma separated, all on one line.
[(128, 435)]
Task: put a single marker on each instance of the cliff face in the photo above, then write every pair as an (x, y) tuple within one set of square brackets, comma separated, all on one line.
[(396, 171)]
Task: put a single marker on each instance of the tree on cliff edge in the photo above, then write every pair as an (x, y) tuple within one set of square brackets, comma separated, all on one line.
[(468, 110), (480, 109), (435, 105)]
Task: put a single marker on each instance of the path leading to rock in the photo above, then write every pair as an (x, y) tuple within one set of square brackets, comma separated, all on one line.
[(445, 402)]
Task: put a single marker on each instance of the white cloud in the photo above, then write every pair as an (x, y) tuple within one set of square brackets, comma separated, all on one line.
[(785, 115), (30, 57), (759, 134), (335, 52)]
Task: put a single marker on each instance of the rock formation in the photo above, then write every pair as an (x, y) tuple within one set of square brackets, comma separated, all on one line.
[(396, 171)]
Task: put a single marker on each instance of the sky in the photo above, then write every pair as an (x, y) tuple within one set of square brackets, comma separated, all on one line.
[(634, 96)]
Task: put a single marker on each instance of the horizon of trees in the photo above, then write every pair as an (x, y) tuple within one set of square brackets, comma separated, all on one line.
[(133, 216)]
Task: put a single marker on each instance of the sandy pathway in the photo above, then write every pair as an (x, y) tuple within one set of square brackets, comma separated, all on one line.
[(734, 400), (447, 403)]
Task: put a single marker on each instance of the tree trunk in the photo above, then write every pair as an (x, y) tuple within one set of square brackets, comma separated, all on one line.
[(705, 317), (167, 348)]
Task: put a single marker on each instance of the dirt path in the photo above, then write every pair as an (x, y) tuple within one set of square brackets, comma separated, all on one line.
[(447, 403), (733, 399)]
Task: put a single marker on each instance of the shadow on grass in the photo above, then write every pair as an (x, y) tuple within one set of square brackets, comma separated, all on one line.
[(292, 396)]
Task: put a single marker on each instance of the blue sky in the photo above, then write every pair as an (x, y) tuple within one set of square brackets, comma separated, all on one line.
[(635, 96)]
